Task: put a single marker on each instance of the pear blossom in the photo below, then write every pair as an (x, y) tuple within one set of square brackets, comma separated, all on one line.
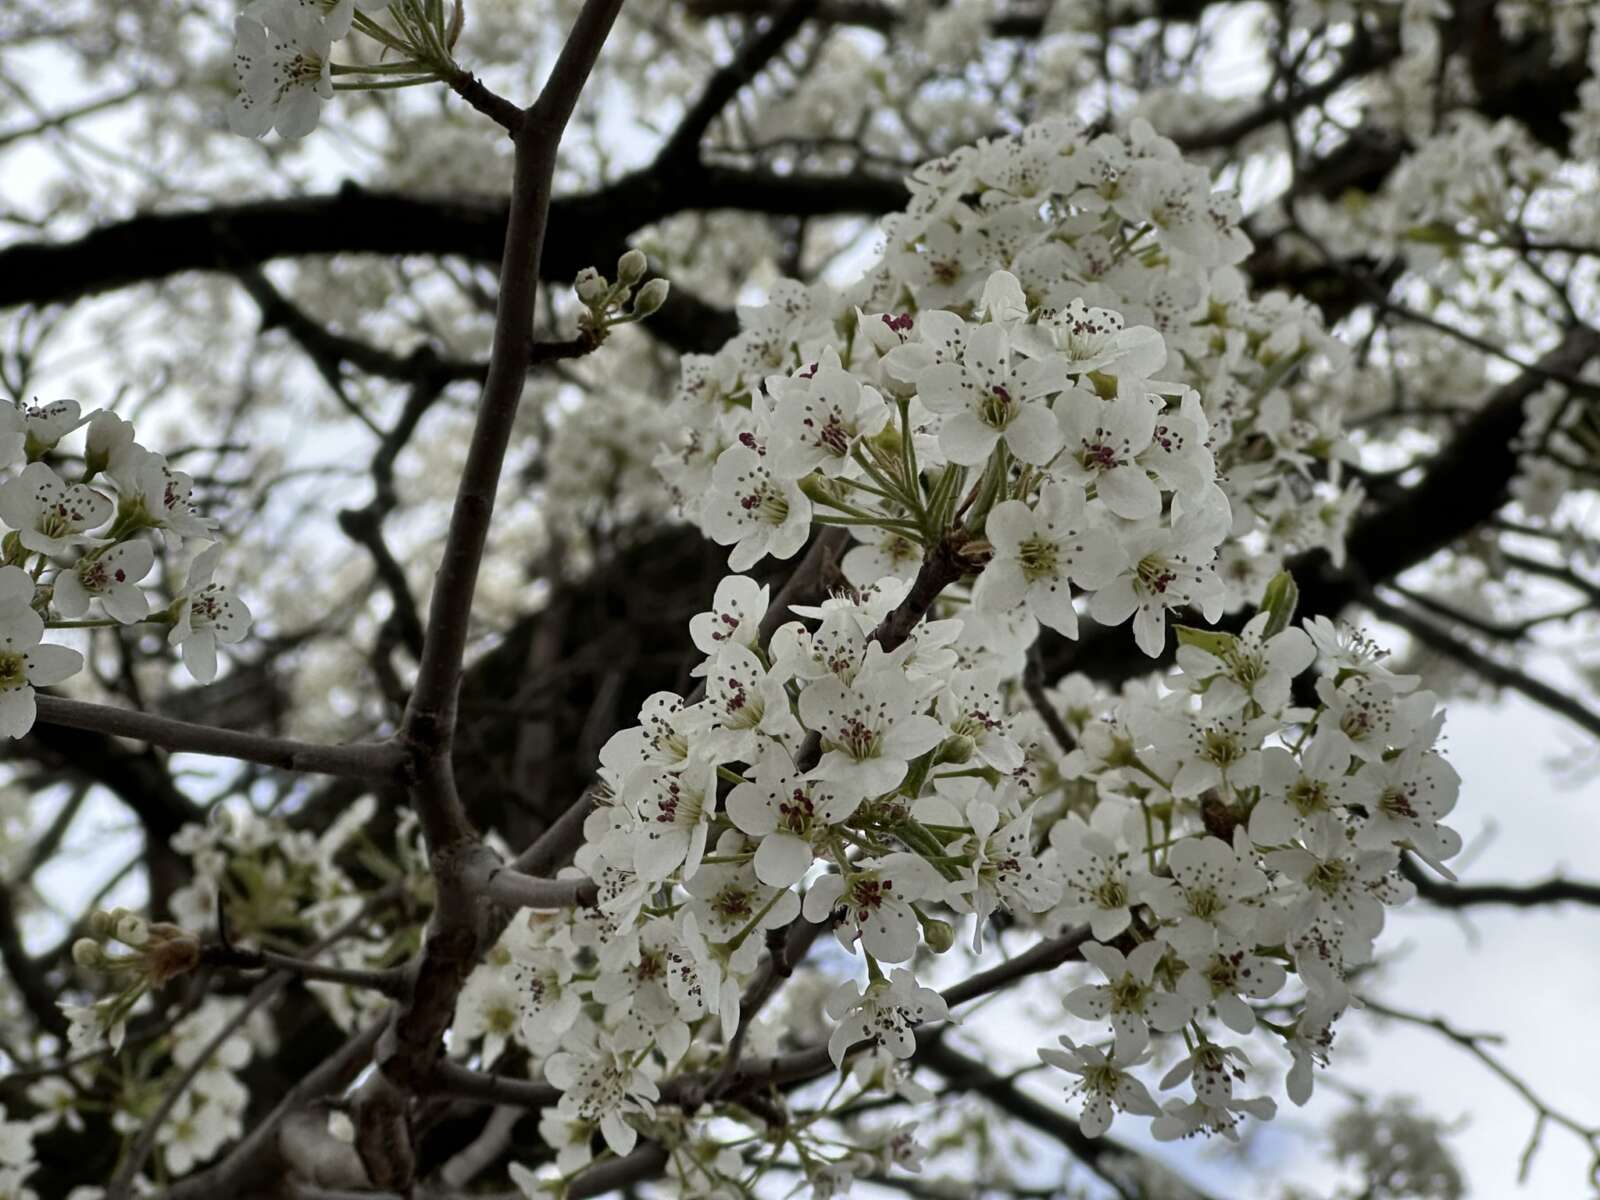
[(674, 809), (108, 436), (600, 1085), (549, 999), (754, 511), (667, 729), (991, 395), (42, 425), (207, 613), (749, 706), (489, 1007), (26, 662), (870, 728), (57, 1101), (1252, 669), (1213, 751), (1169, 569), (1404, 798), (876, 904), (151, 495), (729, 900), (1297, 792), (1180, 1119), (1038, 551), (16, 1141), (819, 415), (110, 575), (1104, 1082), (48, 515), (1224, 973), (1096, 884), (788, 816), (282, 66), (1365, 718), (1103, 440), (1340, 881), (698, 979), (1003, 869), (735, 617), (1213, 888), (1130, 997), (884, 1013), (972, 712)]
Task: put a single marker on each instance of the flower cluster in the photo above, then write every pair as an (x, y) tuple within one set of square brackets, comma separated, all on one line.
[(1227, 851), (80, 543), (1219, 838), (1051, 398), (282, 56), (1122, 353), (979, 414)]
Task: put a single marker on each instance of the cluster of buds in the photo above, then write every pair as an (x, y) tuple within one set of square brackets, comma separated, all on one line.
[(161, 951), (623, 302)]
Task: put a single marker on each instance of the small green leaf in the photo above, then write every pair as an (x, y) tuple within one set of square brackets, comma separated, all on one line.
[(1212, 641), (1281, 599)]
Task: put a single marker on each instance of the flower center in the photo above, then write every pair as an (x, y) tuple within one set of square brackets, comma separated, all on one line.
[(766, 504), (1111, 893), (1329, 877), (1129, 995), (13, 671), (996, 408), (1039, 557), (795, 813), (1155, 574)]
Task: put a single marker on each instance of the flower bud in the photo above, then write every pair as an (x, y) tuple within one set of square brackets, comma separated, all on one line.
[(86, 952), (957, 748), (108, 433), (818, 488), (101, 923), (631, 267), (131, 930), (590, 285), (887, 442), (940, 935), (650, 297)]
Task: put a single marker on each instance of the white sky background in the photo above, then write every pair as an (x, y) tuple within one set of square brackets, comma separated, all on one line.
[(1533, 976)]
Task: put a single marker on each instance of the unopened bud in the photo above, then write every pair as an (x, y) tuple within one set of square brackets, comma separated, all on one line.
[(590, 285), (887, 442), (101, 923), (651, 297), (108, 433), (131, 930), (86, 952), (631, 267), (818, 488), (958, 748), (940, 935)]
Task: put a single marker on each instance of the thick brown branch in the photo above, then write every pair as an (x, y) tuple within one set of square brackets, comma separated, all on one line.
[(373, 761)]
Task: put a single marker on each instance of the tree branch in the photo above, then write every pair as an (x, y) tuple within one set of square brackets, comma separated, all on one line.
[(1514, 895), (725, 83), (1498, 673), (371, 761)]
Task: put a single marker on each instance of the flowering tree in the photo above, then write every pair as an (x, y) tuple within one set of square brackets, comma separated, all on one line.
[(887, 549)]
